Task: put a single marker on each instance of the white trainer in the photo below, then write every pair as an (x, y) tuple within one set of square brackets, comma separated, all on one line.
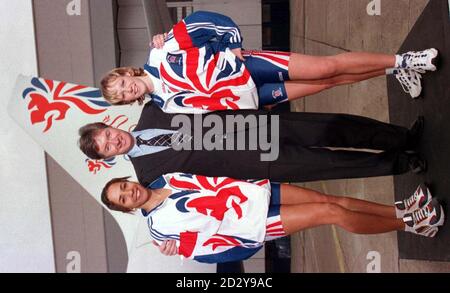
[(422, 220), (420, 61), (410, 80), (420, 198)]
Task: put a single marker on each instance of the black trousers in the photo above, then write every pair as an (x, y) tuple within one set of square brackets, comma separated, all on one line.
[(303, 154), (305, 139)]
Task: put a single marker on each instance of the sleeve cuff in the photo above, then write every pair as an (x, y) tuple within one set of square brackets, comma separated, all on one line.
[(235, 45)]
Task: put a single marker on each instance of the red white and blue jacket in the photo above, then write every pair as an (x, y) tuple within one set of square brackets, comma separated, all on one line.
[(196, 72), (213, 219)]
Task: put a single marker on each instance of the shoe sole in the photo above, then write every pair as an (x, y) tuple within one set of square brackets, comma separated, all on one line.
[(439, 213), (442, 214), (434, 59)]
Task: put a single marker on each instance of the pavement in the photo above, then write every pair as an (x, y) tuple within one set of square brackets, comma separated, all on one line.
[(328, 27)]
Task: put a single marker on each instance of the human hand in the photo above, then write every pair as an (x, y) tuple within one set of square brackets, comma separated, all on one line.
[(158, 41), (238, 53), (167, 247)]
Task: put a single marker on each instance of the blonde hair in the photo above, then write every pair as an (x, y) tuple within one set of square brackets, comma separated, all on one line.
[(112, 76)]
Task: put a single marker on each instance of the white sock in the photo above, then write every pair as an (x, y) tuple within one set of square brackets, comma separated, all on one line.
[(399, 213), (391, 71), (398, 61), (408, 228)]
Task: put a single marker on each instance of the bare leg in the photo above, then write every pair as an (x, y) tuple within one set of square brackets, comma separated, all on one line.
[(304, 216), (304, 67), (343, 79), (293, 195), (299, 89)]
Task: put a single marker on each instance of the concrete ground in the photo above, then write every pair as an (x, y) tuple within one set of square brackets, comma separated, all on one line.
[(326, 27)]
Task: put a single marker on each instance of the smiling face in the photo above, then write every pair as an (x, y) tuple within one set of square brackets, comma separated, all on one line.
[(129, 195), (128, 88), (110, 142)]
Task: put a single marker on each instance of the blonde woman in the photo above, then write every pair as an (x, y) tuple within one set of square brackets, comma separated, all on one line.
[(199, 66)]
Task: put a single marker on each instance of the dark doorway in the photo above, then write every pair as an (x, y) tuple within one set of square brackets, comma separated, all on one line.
[(275, 25)]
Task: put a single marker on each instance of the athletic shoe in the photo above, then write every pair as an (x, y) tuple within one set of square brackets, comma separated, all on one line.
[(410, 82), (421, 197), (420, 221), (420, 61)]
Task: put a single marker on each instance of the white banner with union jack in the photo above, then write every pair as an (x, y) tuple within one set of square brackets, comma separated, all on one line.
[(51, 112)]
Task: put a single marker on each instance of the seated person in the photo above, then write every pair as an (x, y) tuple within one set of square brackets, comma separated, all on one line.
[(219, 219)]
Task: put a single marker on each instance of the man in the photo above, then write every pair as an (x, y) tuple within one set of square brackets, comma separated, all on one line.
[(303, 153)]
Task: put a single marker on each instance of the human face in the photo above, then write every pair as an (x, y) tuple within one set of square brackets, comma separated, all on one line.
[(129, 195), (111, 142), (128, 88)]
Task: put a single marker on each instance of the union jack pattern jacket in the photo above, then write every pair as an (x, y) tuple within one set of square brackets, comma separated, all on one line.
[(196, 72), (213, 219)]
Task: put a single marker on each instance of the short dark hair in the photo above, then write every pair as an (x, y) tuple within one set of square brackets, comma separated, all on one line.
[(105, 199), (87, 143)]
